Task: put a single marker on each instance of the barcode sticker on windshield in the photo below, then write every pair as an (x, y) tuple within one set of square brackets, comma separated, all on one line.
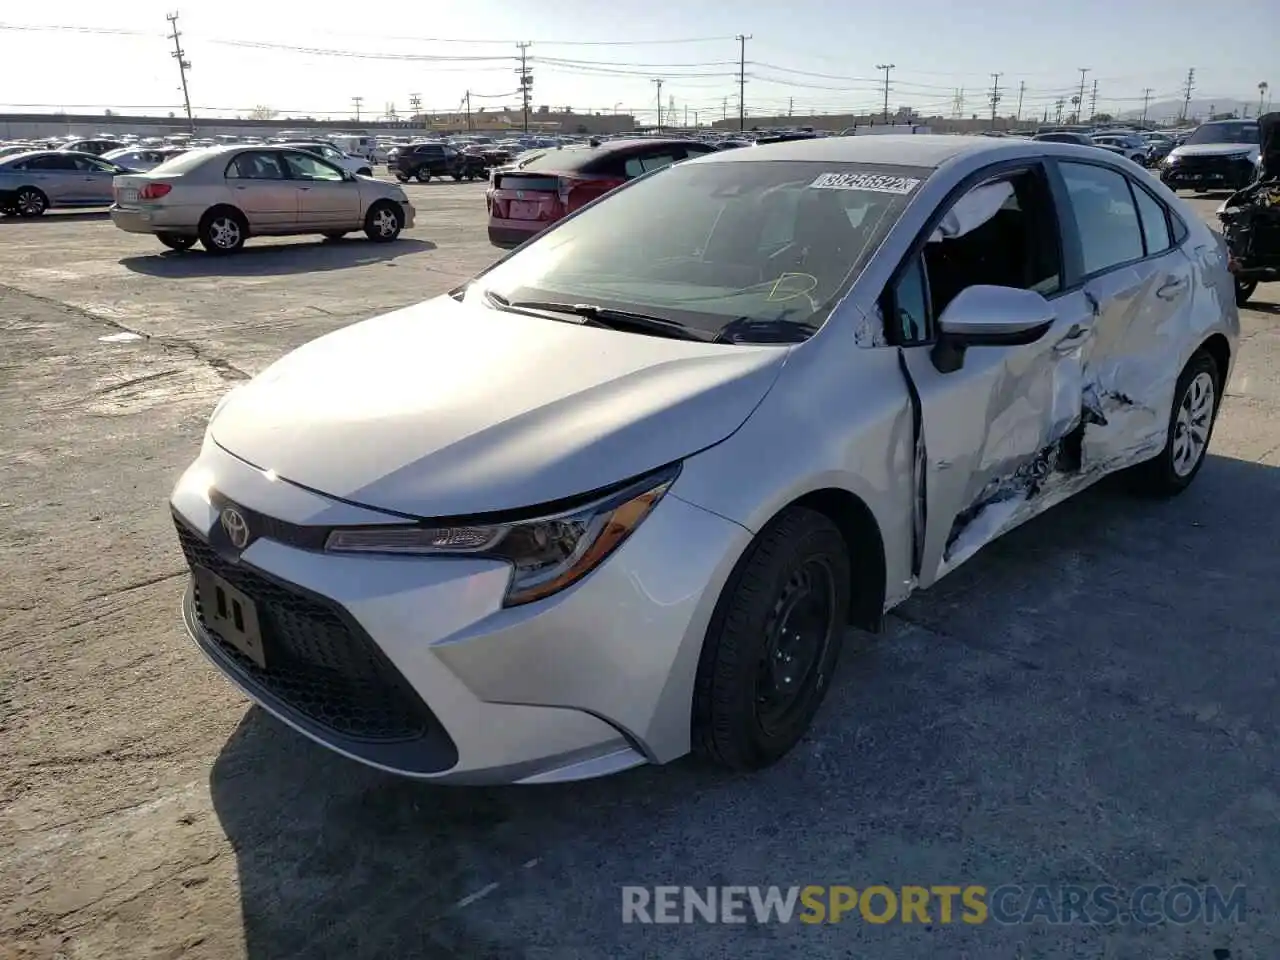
[(871, 182)]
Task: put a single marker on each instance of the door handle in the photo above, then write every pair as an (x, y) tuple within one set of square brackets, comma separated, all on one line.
[(1170, 288), (304, 188), (1071, 339)]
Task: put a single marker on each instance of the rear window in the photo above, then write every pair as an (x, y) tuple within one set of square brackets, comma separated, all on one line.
[(564, 160), (182, 163), (755, 245)]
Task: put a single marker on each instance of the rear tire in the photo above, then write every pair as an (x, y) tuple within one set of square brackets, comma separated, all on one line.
[(402, 178), (1196, 399), (384, 221), (335, 234), (223, 230), (1244, 290), (762, 674), (176, 241), (422, 174), (30, 202)]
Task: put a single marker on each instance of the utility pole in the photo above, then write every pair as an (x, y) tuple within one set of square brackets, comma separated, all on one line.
[(526, 80), (1263, 87), (357, 101), (1080, 101), (1093, 102), (724, 109), (1186, 93), (960, 104), (742, 39), (468, 101), (686, 116), (657, 82), (886, 67), (1022, 88), (183, 66), (415, 106), (995, 96), (1146, 103), (791, 106), (1059, 107)]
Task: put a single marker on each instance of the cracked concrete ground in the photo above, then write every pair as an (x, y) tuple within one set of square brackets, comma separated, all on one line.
[(1091, 700)]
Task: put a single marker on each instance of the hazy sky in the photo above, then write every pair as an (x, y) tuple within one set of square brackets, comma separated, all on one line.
[(821, 54)]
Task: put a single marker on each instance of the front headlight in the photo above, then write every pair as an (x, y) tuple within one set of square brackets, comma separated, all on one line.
[(547, 554)]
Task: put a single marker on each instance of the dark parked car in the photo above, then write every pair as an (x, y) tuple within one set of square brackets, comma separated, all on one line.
[(422, 161), (543, 186)]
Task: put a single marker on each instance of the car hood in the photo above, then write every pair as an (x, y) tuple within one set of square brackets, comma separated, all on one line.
[(1213, 150), (449, 408)]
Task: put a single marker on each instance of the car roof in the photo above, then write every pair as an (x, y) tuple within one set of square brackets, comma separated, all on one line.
[(908, 150)]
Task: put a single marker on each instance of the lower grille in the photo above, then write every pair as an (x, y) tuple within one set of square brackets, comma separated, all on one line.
[(317, 663)]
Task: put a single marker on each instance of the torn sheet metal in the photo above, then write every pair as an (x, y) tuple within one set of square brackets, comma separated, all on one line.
[(973, 210), (868, 330)]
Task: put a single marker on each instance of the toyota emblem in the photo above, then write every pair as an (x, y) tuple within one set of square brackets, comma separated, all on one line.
[(235, 527)]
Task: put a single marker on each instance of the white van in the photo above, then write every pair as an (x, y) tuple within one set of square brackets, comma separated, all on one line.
[(355, 144)]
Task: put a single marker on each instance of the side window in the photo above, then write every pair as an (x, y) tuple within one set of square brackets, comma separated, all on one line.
[(90, 165), (910, 304), (255, 166), (1001, 233), (52, 161), (303, 166), (643, 164), (1155, 222), (1105, 216)]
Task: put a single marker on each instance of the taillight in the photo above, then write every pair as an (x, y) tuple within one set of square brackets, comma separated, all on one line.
[(154, 191)]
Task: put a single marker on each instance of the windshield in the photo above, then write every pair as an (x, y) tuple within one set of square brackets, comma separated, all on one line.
[(1224, 133), (706, 245)]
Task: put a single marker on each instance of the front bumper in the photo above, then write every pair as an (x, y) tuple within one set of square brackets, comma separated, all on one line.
[(509, 234), (412, 664), (409, 214), (1208, 173)]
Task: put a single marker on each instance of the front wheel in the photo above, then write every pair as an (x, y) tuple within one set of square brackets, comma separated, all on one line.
[(1244, 290), (176, 241), (773, 642), (384, 221), (423, 174), (334, 234), (30, 202), (1196, 398), (402, 178)]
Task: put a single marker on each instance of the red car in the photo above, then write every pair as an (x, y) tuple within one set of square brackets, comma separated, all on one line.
[(537, 190)]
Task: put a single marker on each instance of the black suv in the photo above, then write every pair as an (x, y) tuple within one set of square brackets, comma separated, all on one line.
[(432, 159)]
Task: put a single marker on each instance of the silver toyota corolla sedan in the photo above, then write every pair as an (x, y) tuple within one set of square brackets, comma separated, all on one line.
[(618, 497), (224, 195)]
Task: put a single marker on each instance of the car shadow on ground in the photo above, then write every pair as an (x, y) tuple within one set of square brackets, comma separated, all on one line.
[(58, 216), (1039, 701), (275, 259)]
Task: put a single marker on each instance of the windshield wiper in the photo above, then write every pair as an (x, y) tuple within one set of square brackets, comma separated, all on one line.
[(597, 316), (752, 330)]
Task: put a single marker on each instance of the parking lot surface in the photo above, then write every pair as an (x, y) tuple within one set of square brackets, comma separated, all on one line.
[(1093, 700)]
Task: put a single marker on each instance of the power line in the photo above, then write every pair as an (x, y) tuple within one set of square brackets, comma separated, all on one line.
[(183, 66), (886, 67), (742, 39)]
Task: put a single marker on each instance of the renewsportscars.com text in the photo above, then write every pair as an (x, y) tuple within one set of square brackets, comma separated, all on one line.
[(942, 903)]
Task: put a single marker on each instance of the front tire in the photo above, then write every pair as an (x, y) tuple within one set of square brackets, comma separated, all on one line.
[(1196, 398), (1244, 290), (176, 241), (773, 642), (423, 175), (402, 178), (30, 202), (223, 231), (334, 234), (383, 222)]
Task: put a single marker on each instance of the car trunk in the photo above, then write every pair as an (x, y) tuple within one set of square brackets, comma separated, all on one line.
[(540, 196), (135, 190)]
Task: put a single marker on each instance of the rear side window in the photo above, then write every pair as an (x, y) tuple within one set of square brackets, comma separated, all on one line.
[(1155, 222), (652, 161), (255, 166), (1107, 221)]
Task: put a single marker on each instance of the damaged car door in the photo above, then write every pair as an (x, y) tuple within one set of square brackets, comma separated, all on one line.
[(999, 419), (1140, 283)]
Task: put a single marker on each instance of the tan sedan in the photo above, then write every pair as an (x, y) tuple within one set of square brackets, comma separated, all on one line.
[(223, 195)]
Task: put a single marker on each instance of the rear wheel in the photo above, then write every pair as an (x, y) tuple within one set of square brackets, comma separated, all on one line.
[(223, 231), (384, 221), (1244, 290), (30, 202), (1195, 408), (773, 642), (335, 234), (423, 174), (402, 178), (176, 241)]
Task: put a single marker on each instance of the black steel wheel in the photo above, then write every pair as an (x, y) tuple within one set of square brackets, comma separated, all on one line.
[(773, 642)]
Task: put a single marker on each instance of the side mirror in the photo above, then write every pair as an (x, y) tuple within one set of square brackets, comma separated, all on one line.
[(988, 316)]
